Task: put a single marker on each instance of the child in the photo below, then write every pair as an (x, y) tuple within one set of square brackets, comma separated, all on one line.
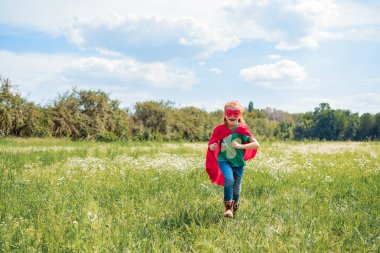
[(231, 144)]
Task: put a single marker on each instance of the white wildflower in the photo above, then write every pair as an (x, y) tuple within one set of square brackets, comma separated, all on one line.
[(92, 216)]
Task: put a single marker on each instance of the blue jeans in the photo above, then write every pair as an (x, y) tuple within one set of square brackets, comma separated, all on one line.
[(232, 181)]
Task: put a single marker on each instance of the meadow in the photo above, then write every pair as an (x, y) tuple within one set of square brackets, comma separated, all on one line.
[(63, 196)]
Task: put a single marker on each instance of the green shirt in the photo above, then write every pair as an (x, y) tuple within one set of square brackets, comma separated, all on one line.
[(228, 154)]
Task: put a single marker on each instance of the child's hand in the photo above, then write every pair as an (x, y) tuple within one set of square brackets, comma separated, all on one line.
[(213, 146), (236, 145)]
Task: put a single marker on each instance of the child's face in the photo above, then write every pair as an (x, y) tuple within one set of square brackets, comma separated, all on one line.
[(232, 114)]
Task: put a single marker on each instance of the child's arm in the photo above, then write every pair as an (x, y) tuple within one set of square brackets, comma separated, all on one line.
[(253, 144)]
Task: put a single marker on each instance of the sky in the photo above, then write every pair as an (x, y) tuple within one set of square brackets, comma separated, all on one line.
[(289, 55)]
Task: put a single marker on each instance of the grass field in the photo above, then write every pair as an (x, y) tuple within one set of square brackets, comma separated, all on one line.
[(63, 196)]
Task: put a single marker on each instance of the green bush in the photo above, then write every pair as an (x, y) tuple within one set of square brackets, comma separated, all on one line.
[(106, 136)]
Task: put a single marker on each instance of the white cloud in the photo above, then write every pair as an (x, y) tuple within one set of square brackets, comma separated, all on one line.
[(297, 24), (55, 15), (216, 70), (357, 14), (361, 103), (123, 25), (199, 28), (127, 69), (337, 20), (31, 70), (275, 57), (282, 74), (322, 13), (35, 70), (123, 33), (276, 21), (108, 53), (305, 42), (161, 76), (75, 36)]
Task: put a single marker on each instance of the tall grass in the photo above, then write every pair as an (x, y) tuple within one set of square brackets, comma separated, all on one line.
[(156, 197)]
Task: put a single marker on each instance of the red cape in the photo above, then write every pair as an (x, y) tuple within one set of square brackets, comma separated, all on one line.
[(221, 132)]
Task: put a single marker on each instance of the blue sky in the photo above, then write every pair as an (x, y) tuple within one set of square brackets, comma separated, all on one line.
[(289, 55)]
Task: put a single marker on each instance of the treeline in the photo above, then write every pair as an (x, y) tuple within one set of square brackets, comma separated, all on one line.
[(93, 115)]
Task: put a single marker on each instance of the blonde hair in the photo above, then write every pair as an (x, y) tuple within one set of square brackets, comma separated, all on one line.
[(234, 104)]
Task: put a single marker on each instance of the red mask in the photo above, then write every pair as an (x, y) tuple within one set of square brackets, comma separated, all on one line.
[(230, 113)]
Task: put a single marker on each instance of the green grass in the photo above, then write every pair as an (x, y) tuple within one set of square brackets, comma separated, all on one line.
[(58, 195)]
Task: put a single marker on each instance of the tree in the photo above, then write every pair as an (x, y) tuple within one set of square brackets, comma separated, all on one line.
[(324, 123), (88, 114), (152, 116), (376, 131), (250, 106), (366, 126), (304, 126), (284, 130), (93, 115), (121, 120), (7, 103), (188, 123), (264, 128), (341, 124), (18, 117), (352, 127)]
